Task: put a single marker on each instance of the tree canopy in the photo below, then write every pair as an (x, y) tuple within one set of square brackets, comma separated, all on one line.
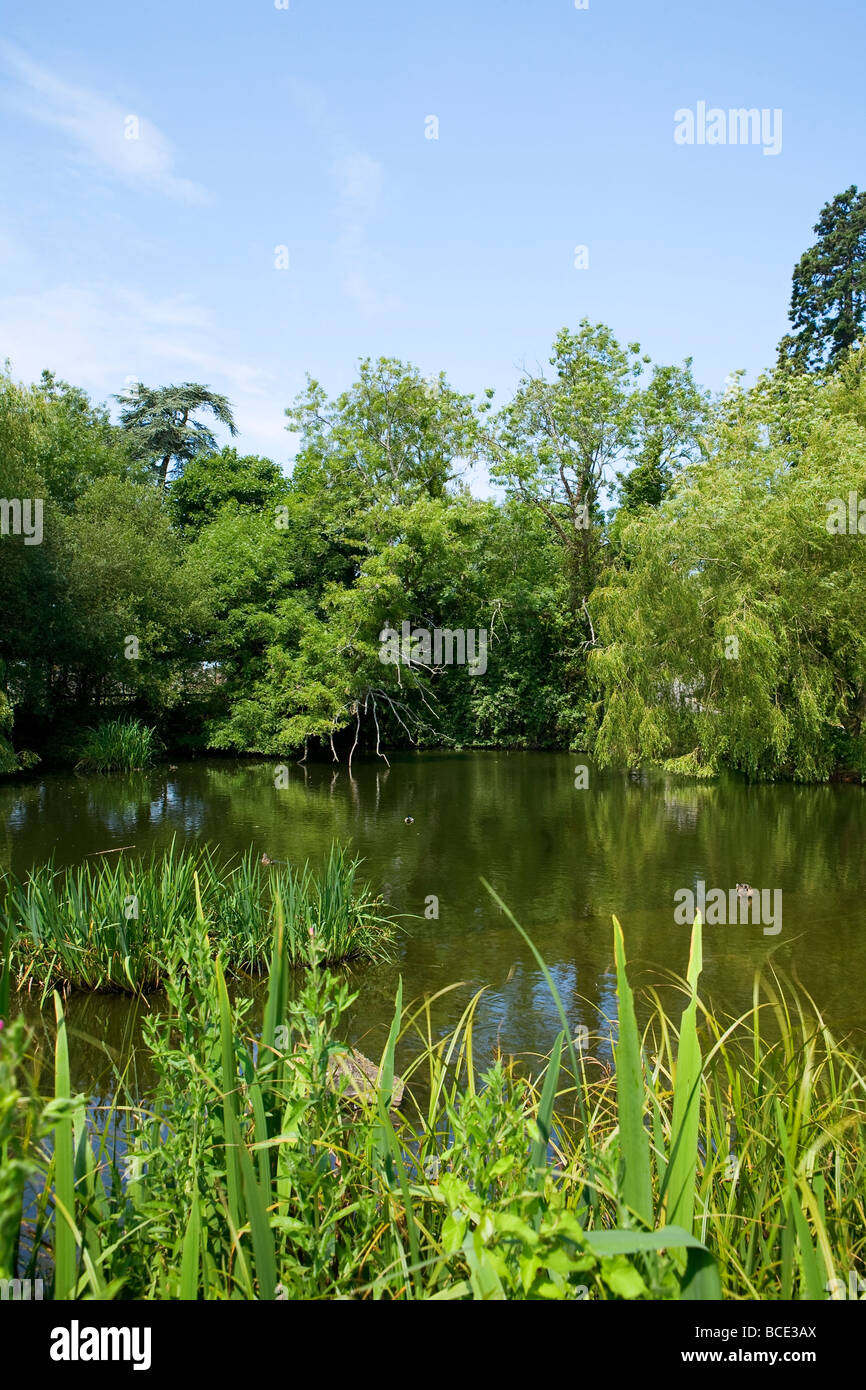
[(660, 575), (163, 427)]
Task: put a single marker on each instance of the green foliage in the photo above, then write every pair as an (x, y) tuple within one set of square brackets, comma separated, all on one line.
[(109, 567), (242, 611), (212, 481), (119, 745), (555, 442), (162, 427), (730, 631), (127, 925), (10, 761), (370, 538), (248, 1172), (828, 295), (16, 1169), (391, 438), (671, 414)]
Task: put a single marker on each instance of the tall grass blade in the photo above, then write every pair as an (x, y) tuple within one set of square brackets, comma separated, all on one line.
[(630, 1093), (65, 1259), (576, 1069), (231, 1134), (544, 1114), (189, 1264), (680, 1175)]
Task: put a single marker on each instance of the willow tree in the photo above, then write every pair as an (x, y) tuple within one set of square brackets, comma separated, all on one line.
[(730, 630)]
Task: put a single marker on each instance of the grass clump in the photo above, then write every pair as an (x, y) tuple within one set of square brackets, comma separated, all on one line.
[(119, 745), (126, 925)]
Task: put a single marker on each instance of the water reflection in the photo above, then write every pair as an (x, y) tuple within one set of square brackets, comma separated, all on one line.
[(563, 859)]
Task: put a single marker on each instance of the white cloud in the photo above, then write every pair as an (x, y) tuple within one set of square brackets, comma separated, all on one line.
[(168, 312), (361, 179), (99, 128), (363, 276), (240, 376), (103, 335), (91, 332)]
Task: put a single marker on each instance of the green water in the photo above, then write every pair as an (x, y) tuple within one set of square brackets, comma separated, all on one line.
[(562, 858)]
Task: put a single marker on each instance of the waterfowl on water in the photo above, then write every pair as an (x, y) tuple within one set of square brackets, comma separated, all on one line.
[(744, 890), (410, 820)]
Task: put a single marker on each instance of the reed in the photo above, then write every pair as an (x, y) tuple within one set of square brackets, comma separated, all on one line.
[(119, 745), (124, 924)]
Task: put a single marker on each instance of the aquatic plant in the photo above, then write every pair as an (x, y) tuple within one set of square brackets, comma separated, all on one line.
[(125, 923), (118, 745)]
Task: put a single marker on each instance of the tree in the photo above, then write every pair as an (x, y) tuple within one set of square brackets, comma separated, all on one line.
[(828, 296), (375, 529), (106, 567), (392, 437), (554, 444), (163, 427), (670, 415), (211, 481), (127, 579), (74, 441), (307, 664), (730, 629)]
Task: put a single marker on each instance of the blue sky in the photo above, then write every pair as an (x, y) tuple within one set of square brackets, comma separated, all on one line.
[(305, 128)]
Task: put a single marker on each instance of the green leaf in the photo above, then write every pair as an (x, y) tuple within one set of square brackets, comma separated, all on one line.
[(65, 1234), (701, 1279), (630, 1092), (190, 1256), (619, 1242), (680, 1174), (544, 1116), (624, 1281)]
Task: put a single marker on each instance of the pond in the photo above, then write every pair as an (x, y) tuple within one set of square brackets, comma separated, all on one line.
[(564, 856)]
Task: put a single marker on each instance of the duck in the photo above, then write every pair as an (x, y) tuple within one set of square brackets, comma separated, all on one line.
[(409, 820), (744, 890)]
